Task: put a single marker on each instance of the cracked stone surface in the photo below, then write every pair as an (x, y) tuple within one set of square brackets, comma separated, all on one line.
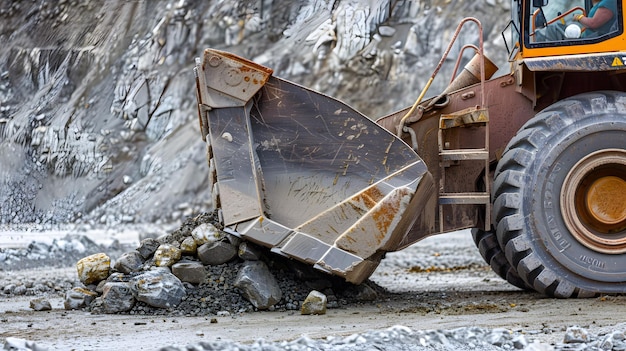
[(98, 121)]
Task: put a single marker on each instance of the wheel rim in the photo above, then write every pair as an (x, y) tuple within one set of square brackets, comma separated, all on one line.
[(593, 200), (603, 200)]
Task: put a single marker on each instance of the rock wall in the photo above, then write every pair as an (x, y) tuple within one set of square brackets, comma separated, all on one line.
[(97, 100)]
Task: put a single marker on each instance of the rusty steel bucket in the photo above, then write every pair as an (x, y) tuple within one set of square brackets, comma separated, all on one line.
[(303, 173)]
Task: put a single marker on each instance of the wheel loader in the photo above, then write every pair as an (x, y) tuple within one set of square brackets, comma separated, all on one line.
[(533, 160)]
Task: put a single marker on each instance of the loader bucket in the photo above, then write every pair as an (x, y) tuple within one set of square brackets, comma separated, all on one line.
[(305, 174)]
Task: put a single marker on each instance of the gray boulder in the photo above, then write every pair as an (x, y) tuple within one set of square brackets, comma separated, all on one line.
[(234, 240), (77, 298), (249, 252), (366, 293), (147, 247), (128, 262), (40, 305), (117, 297), (158, 288), (258, 285), (216, 253), (189, 271)]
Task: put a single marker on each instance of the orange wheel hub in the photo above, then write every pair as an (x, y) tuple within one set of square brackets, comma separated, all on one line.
[(593, 201), (606, 200)]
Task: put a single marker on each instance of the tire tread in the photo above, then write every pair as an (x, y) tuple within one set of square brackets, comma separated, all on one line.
[(513, 173)]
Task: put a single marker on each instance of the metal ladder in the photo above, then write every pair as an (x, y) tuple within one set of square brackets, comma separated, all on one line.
[(474, 116)]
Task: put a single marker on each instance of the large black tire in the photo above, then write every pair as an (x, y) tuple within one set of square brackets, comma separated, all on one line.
[(490, 250), (549, 218)]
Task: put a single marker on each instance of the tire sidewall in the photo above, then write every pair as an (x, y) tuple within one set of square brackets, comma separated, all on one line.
[(551, 163)]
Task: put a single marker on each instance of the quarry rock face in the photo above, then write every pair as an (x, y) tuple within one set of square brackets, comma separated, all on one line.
[(98, 120)]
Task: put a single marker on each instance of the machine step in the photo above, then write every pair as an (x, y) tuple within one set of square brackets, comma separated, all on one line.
[(464, 154), (474, 198), (468, 116)]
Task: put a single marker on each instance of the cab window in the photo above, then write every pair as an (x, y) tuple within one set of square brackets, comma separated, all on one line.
[(569, 22)]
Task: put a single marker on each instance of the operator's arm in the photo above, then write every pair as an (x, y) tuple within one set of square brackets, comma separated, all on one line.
[(601, 16)]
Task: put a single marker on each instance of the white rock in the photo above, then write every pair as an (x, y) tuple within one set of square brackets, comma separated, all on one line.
[(206, 233), (386, 31)]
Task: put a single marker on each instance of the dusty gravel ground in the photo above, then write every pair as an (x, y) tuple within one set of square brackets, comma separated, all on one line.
[(440, 283)]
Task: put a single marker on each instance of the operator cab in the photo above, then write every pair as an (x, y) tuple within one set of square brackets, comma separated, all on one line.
[(561, 27), (568, 22)]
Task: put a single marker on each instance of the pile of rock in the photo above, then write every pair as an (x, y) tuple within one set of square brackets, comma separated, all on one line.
[(201, 270)]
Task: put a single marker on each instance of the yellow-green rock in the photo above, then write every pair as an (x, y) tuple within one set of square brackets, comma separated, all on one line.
[(188, 246), (315, 303), (166, 255), (94, 268)]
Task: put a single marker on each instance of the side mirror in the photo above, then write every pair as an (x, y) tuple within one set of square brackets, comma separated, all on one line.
[(540, 3)]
